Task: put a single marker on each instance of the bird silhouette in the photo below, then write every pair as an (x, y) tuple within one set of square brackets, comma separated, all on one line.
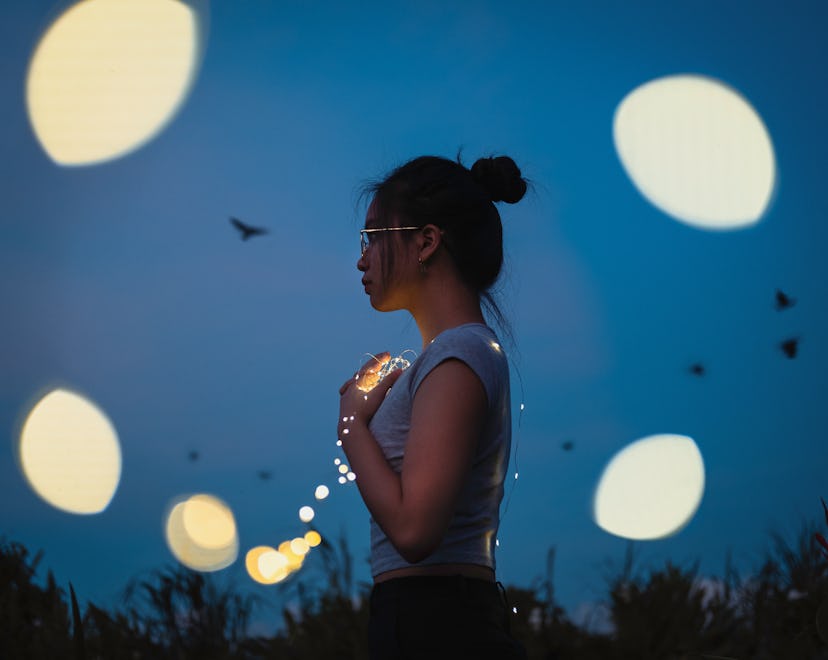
[(568, 445), (264, 475), (783, 300), (697, 369), (789, 347), (247, 230), (193, 456)]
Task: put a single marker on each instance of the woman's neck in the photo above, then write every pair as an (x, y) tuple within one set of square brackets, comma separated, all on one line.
[(446, 309)]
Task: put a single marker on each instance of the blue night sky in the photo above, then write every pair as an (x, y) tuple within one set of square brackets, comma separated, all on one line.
[(124, 280)]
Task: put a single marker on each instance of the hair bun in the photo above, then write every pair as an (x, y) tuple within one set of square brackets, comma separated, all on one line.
[(501, 178)]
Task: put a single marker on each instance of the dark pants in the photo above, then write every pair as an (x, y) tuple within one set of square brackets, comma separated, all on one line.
[(438, 617)]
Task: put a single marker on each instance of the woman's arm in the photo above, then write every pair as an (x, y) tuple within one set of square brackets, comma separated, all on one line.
[(414, 508)]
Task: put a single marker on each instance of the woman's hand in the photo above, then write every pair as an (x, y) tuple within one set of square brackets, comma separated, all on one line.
[(361, 395)]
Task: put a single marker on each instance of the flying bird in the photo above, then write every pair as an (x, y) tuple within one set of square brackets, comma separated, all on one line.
[(783, 301), (789, 347), (697, 369), (247, 230)]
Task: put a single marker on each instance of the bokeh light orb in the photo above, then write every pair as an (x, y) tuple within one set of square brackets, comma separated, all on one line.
[(306, 514), (321, 492), (273, 566), (267, 565), (209, 521), (201, 533), (299, 546), (313, 538), (253, 563), (650, 489), (295, 560), (272, 561), (109, 75), (697, 150), (69, 453)]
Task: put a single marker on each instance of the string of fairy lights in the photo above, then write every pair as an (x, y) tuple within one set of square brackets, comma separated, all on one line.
[(200, 529), (369, 379), (264, 563)]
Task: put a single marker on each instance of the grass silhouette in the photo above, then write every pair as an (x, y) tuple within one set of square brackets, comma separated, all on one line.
[(779, 611)]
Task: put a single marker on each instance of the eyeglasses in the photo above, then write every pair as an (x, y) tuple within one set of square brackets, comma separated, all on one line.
[(365, 239)]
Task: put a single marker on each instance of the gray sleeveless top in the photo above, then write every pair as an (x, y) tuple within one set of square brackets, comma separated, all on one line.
[(470, 538)]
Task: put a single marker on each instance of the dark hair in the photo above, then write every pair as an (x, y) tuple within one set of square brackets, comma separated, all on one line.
[(460, 201)]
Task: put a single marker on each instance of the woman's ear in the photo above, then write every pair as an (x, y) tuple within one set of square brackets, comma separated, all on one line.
[(431, 237)]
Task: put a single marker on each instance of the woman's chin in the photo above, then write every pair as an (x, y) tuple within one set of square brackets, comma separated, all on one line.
[(383, 305)]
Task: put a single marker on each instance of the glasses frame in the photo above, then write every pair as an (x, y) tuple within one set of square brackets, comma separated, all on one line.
[(363, 235)]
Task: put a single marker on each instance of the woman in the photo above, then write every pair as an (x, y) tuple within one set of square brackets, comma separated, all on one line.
[(430, 445)]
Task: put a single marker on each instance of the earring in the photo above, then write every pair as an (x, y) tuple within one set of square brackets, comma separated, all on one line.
[(423, 270)]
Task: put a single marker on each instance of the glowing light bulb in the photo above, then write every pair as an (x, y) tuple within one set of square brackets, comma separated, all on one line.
[(343, 468), (343, 480), (373, 376), (337, 461), (339, 443), (350, 476)]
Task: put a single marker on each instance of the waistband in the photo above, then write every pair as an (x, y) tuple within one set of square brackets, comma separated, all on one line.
[(433, 584)]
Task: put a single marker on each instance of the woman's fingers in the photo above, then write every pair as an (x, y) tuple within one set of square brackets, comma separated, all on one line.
[(367, 377), (380, 389), (375, 363), (391, 378)]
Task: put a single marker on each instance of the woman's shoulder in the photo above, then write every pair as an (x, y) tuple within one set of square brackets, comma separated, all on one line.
[(474, 344), (466, 337), (465, 331)]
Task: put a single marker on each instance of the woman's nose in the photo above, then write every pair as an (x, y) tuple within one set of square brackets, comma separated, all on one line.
[(361, 264)]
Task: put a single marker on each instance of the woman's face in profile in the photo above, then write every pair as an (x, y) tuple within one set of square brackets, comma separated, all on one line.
[(385, 290)]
